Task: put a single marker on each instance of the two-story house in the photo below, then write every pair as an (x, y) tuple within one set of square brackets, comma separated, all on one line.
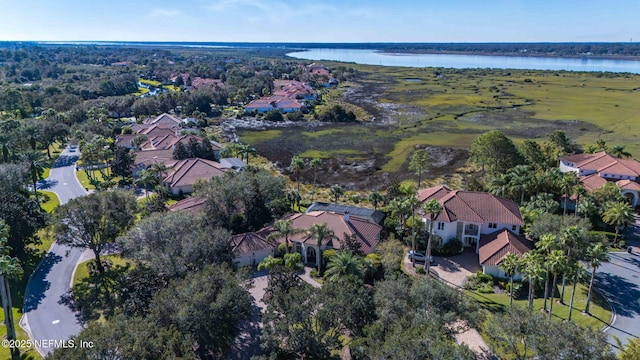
[(595, 170), (466, 215)]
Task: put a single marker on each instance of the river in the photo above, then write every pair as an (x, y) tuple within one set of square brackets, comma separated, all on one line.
[(374, 57)]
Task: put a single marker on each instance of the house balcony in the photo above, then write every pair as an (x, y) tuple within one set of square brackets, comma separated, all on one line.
[(471, 230)]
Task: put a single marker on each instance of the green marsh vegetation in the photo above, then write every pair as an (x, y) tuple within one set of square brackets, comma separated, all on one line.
[(408, 108)]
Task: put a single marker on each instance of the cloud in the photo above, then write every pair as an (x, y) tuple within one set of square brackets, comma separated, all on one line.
[(165, 13)]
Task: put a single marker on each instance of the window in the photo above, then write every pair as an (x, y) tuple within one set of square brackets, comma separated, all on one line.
[(440, 225), (514, 227), (493, 225)]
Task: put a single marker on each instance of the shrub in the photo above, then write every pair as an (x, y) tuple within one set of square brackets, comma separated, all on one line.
[(421, 271), (486, 289), (516, 289), (478, 280), (452, 247), (282, 249), (314, 273), (329, 254)]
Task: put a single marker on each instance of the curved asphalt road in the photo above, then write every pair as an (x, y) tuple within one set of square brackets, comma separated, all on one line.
[(619, 281), (45, 316)]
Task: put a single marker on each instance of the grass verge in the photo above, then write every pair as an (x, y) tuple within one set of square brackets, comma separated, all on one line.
[(52, 201)]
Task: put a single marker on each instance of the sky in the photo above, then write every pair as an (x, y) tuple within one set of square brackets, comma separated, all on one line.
[(321, 20)]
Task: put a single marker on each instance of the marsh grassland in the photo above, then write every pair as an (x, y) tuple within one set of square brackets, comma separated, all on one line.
[(445, 109)]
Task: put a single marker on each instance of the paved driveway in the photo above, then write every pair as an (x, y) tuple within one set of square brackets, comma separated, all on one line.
[(45, 315)]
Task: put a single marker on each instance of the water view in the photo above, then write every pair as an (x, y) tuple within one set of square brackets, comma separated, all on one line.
[(373, 57)]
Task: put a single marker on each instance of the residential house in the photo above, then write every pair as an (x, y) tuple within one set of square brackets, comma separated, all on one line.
[(467, 215), (366, 233), (495, 246), (166, 120), (375, 216), (183, 174), (251, 248), (595, 170)]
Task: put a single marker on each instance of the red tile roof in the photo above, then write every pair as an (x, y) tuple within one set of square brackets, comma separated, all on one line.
[(191, 204), (367, 233), (495, 246), (188, 171), (253, 241), (592, 182), (472, 206), (603, 162), (148, 157), (628, 185)]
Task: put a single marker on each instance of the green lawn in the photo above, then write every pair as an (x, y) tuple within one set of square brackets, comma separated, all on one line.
[(82, 271), (150, 82), (22, 335), (50, 204), (600, 310), (45, 173), (84, 179)]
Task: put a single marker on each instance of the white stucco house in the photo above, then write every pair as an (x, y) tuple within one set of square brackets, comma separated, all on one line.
[(495, 246), (467, 215), (595, 170)]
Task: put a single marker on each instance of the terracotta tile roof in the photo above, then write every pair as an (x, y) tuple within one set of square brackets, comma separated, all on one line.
[(495, 246), (125, 140), (251, 242), (628, 185), (367, 233), (592, 182), (191, 204), (148, 157), (186, 172), (472, 206), (164, 119), (157, 130), (288, 104), (436, 192), (603, 162)]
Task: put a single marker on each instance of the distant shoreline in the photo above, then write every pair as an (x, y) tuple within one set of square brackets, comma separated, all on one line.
[(510, 54)]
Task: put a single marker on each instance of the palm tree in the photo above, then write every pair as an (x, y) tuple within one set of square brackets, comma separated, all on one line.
[(398, 209), (596, 254), (571, 238), (9, 269), (297, 165), (249, 150), (344, 266), (567, 183), (315, 164), (418, 163), (579, 191), (375, 198), (320, 232), (545, 245), (618, 214), (533, 271), (575, 274), (520, 180), (146, 178), (35, 161), (500, 185), (284, 229), (412, 202), (619, 151), (433, 208), (557, 263), (510, 265), (159, 169), (336, 191)]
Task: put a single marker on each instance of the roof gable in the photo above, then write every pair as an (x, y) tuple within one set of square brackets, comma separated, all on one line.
[(495, 246), (188, 171), (472, 206)]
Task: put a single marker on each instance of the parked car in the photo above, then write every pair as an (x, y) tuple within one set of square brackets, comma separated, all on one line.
[(419, 256)]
